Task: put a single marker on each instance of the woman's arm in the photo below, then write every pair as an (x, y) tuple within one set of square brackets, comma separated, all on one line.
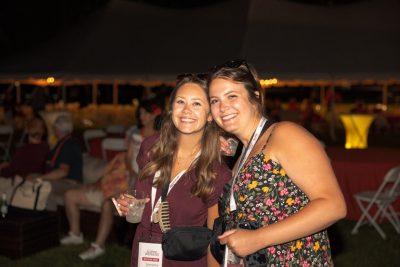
[(307, 164), (56, 174)]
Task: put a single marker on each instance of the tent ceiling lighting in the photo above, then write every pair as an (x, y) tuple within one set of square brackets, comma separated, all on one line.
[(268, 82), (50, 80)]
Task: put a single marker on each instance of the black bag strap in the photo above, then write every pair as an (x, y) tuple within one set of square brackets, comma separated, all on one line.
[(37, 196), (164, 191), (267, 124), (15, 190)]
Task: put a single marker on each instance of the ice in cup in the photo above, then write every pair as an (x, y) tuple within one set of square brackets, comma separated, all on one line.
[(230, 150), (136, 200)]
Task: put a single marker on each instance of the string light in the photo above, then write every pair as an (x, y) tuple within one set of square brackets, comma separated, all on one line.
[(50, 80), (269, 82)]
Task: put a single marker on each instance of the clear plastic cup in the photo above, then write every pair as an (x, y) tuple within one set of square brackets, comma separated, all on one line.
[(231, 148), (136, 200)]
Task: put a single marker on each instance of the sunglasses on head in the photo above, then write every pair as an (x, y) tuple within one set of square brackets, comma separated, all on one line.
[(234, 63), (200, 76), (237, 63)]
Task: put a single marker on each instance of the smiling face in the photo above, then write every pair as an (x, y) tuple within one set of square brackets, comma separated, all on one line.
[(190, 109), (231, 107)]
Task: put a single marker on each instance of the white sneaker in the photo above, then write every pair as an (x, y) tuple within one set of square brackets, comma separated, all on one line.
[(93, 252), (72, 239)]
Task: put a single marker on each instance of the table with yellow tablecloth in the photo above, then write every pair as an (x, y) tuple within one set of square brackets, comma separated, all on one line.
[(357, 128)]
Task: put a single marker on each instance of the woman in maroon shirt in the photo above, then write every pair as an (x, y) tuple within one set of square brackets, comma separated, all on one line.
[(30, 158), (187, 144)]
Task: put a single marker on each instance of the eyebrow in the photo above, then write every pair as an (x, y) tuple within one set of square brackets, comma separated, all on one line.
[(193, 99), (226, 93)]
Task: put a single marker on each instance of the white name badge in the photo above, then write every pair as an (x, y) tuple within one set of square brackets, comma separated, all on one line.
[(150, 255)]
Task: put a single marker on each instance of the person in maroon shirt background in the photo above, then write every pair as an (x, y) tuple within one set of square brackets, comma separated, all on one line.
[(187, 142), (29, 158)]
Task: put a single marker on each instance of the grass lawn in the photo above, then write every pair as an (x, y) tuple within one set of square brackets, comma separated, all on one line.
[(66, 256), (366, 248)]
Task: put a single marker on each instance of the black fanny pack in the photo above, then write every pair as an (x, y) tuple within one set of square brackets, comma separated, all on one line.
[(186, 243)]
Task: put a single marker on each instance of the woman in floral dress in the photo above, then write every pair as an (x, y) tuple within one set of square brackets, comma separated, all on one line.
[(283, 194)]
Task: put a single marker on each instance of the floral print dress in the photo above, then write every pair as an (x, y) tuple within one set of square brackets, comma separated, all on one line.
[(264, 195)]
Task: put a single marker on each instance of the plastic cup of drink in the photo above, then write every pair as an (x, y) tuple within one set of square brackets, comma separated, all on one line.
[(232, 146), (136, 200)]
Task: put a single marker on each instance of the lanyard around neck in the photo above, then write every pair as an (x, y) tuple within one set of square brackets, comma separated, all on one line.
[(58, 150), (166, 188), (245, 154)]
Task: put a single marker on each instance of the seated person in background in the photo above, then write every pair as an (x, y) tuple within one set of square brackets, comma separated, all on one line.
[(98, 194), (149, 123), (115, 180), (29, 158), (64, 164)]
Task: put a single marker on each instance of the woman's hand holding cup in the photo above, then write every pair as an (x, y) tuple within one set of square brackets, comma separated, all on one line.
[(121, 205)]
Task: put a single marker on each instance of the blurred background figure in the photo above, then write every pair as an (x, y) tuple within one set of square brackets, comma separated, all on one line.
[(64, 163), (121, 171), (30, 158), (9, 104), (149, 122)]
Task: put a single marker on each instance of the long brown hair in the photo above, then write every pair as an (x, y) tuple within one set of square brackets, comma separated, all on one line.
[(164, 150)]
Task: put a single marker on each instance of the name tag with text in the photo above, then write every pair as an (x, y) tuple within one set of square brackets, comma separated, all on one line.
[(150, 255)]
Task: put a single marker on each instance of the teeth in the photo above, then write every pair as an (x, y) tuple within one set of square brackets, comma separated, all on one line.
[(228, 117), (187, 120)]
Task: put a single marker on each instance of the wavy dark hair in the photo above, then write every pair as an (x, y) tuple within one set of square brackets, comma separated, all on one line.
[(163, 152), (154, 106), (240, 71)]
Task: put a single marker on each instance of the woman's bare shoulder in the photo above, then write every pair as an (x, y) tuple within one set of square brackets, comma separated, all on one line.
[(286, 130)]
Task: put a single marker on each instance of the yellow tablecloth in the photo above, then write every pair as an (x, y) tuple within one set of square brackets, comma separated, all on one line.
[(356, 127)]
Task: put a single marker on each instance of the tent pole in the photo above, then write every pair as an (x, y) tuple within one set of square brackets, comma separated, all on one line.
[(18, 91), (64, 93), (115, 93), (94, 93), (322, 97), (384, 94), (332, 112)]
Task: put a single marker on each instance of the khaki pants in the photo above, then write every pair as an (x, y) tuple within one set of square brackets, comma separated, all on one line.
[(59, 187)]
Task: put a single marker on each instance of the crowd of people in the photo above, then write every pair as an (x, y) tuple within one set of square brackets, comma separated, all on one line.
[(116, 178), (273, 206), (63, 167)]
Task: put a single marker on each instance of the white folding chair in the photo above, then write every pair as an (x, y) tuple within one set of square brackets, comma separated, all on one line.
[(115, 129), (92, 133), (383, 198), (6, 136), (112, 144)]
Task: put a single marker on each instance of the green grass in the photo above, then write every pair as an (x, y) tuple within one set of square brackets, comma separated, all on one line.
[(67, 256), (366, 248)]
